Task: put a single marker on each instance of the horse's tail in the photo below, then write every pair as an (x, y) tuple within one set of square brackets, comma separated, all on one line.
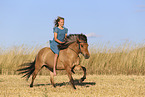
[(27, 69)]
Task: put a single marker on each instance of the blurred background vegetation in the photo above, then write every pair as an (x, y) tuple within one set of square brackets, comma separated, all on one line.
[(127, 59)]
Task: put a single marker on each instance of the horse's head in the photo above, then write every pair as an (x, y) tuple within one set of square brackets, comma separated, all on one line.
[(83, 46), (81, 40)]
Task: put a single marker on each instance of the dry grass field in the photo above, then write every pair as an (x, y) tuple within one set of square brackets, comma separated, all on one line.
[(111, 72), (93, 86)]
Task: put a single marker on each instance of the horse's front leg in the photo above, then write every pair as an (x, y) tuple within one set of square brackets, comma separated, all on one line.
[(84, 77), (68, 69), (75, 63), (79, 67)]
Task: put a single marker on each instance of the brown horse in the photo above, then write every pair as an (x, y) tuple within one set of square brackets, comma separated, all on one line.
[(68, 59)]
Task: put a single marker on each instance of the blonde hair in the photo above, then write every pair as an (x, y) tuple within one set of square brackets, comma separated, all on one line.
[(57, 20)]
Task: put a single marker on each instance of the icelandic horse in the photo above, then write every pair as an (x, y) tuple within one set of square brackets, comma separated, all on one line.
[(68, 59)]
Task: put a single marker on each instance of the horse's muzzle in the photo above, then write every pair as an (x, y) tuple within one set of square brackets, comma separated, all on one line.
[(87, 56)]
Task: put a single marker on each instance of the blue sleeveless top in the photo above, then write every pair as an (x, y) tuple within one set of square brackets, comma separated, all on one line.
[(60, 36)]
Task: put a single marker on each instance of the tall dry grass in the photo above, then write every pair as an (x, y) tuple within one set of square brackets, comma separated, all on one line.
[(12, 57), (125, 59)]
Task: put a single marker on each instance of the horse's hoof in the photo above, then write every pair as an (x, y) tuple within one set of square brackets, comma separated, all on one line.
[(74, 88), (54, 86), (31, 86), (81, 80)]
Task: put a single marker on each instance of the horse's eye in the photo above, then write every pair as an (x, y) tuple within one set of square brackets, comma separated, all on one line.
[(81, 45)]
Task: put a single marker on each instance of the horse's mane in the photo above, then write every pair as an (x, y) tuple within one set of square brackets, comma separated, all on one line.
[(71, 38)]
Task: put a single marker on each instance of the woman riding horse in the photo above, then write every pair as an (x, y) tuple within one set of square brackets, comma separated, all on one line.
[(74, 44)]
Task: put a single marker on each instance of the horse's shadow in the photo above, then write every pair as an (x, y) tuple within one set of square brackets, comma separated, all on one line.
[(76, 82)]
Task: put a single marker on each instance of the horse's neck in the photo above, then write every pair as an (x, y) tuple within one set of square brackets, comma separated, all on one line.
[(74, 48), (71, 53)]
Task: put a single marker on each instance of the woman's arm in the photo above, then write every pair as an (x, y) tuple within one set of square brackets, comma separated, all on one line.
[(55, 38), (65, 35)]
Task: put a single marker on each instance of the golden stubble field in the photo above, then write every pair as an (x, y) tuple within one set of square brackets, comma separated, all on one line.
[(93, 86)]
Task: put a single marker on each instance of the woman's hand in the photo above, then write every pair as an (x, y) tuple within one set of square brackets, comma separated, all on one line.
[(62, 42)]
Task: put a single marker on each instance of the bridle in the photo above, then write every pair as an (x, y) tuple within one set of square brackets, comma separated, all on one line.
[(79, 47)]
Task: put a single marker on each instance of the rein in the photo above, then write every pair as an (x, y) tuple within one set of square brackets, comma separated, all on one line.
[(74, 50)]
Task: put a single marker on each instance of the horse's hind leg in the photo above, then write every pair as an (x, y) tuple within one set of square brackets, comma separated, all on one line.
[(37, 69), (52, 78)]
